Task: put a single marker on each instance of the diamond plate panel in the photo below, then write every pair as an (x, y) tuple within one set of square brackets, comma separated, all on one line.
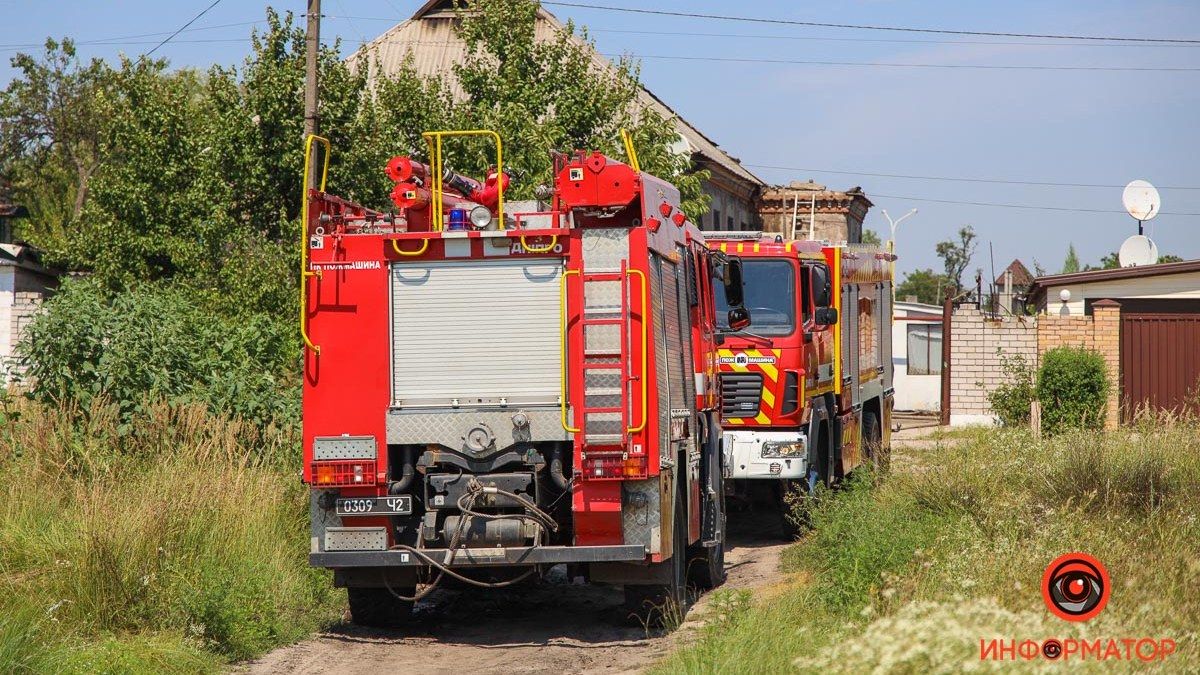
[(356, 539), (602, 338), (604, 248), (344, 447), (602, 295), (640, 513), (448, 427)]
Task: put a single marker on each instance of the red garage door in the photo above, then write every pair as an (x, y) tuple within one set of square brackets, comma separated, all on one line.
[(1160, 362)]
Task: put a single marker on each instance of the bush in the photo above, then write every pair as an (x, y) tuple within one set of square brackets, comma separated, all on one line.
[(1012, 398), (159, 343), (1072, 385)]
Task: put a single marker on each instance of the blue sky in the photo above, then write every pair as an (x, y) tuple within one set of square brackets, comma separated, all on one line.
[(1095, 127)]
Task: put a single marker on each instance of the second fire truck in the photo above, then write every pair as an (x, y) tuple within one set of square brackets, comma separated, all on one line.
[(492, 387), (807, 391)]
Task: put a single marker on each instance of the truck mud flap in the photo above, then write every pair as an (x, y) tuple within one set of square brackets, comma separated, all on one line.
[(482, 557)]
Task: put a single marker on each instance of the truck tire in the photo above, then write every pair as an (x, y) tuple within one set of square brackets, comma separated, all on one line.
[(378, 608), (664, 605), (872, 434), (706, 564), (792, 515)]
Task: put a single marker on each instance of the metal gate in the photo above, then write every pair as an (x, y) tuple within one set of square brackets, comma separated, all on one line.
[(1160, 362)]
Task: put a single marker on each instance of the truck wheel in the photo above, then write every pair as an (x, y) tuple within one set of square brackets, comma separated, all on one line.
[(872, 434), (792, 510), (663, 605), (378, 608), (706, 564)]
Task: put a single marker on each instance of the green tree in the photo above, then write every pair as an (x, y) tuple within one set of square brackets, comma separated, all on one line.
[(956, 256), (51, 119), (928, 286), (1071, 263), (550, 95), (871, 237)]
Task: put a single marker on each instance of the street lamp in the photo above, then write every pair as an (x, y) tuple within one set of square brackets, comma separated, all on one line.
[(892, 245)]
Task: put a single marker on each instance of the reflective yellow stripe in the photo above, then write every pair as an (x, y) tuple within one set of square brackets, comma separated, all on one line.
[(762, 419), (768, 397), (756, 247), (724, 247), (736, 420), (741, 247)]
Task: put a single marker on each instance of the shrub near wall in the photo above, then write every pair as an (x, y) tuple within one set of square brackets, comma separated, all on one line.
[(1072, 386)]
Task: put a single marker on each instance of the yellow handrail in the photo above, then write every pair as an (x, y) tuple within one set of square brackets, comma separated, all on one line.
[(630, 152), (435, 139), (305, 273), (645, 347), (540, 249), (396, 245), (562, 312)]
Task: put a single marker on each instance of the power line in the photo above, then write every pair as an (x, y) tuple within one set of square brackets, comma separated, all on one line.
[(114, 39), (1000, 181), (882, 64), (814, 24), (872, 40), (1018, 206), (184, 27)]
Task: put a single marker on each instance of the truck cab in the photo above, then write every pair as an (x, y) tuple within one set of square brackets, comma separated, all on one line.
[(806, 391)]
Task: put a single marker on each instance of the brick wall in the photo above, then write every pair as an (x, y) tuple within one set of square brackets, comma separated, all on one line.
[(24, 300), (977, 343), (1100, 332)]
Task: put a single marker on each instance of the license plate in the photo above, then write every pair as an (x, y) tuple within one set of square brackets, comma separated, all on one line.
[(374, 506)]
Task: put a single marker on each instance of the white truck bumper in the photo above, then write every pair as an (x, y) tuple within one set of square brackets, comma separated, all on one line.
[(765, 454)]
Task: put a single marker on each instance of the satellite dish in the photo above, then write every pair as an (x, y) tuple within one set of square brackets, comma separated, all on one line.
[(1137, 251), (1141, 200)]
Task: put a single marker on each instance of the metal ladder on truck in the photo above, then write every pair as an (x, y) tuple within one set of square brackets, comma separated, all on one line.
[(605, 421)]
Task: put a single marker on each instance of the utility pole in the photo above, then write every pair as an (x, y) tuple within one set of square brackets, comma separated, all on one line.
[(312, 49)]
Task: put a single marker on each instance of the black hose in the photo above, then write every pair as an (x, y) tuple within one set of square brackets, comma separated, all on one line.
[(407, 472), (556, 468)]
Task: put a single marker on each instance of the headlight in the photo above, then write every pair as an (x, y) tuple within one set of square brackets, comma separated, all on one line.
[(783, 449), (481, 217)]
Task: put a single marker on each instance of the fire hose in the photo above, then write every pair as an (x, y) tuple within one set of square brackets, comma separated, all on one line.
[(466, 505)]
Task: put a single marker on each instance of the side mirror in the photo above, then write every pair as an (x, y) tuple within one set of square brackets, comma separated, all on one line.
[(825, 316), (734, 296), (822, 287), (739, 319)]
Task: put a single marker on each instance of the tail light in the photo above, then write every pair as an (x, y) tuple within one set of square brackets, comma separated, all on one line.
[(343, 473), (614, 467)]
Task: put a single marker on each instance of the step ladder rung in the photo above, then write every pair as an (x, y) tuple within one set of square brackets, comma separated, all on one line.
[(602, 366), (603, 439), (602, 391), (604, 409), (603, 322), (602, 354)]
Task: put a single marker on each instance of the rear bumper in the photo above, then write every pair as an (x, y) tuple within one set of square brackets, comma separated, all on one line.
[(482, 557)]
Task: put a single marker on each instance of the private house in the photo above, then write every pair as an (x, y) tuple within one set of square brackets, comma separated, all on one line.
[(24, 284), (809, 207), (428, 37), (917, 356)]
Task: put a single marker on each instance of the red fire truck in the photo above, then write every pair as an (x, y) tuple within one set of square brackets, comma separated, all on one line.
[(494, 387), (807, 392)]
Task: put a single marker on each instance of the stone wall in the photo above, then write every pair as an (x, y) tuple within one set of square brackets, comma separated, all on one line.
[(977, 341), (1100, 332)]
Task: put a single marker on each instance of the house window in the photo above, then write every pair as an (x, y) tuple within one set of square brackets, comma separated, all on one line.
[(716, 220), (729, 222), (925, 349)]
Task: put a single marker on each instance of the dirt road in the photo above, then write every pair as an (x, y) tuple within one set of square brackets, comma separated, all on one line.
[(549, 626), (546, 627)]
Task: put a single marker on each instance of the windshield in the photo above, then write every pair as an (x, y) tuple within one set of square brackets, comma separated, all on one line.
[(770, 287)]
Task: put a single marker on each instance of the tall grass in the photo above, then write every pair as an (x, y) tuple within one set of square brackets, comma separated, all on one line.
[(908, 575), (174, 541)]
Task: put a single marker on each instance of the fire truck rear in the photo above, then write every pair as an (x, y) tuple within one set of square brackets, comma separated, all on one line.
[(492, 387), (808, 390)]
